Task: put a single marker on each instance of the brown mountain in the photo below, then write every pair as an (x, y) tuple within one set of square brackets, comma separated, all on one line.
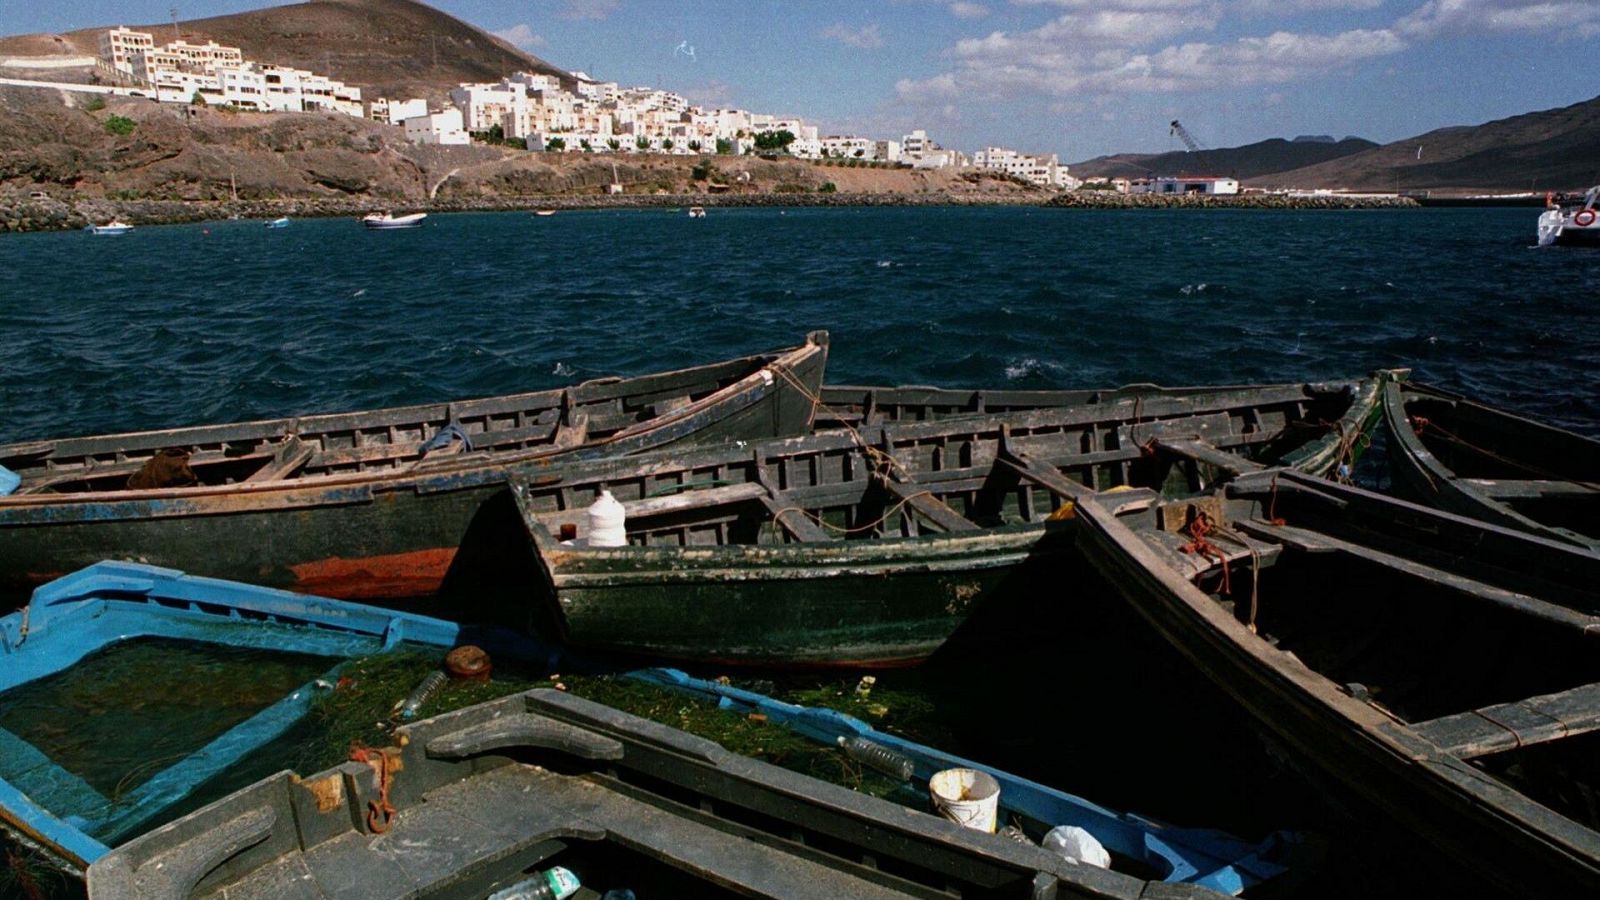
[(392, 48), (1554, 149), (1249, 161)]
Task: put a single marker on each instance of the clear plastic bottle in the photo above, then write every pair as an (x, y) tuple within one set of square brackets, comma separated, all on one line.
[(556, 883), (877, 756), (425, 689)]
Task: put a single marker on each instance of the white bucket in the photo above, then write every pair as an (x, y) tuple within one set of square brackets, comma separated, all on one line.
[(967, 797), (607, 522)]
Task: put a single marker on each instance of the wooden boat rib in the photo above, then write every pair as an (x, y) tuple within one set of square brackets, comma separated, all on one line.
[(1478, 461), (490, 793), (1437, 669), (358, 504), (764, 555)]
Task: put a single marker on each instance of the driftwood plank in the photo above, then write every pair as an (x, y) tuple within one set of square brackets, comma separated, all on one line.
[(1507, 726)]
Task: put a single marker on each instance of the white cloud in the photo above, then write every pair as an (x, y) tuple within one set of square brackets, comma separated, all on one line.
[(963, 10), (1291, 7), (1102, 54), (520, 35), (588, 9), (1578, 18), (1132, 5), (864, 38)]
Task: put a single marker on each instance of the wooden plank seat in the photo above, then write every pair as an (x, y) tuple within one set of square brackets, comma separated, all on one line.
[(1532, 489), (657, 506), (918, 499), (791, 515), (1235, 547), (1203, 452), (128, 467), (291, 456), (1315, 542), (1522, 723)]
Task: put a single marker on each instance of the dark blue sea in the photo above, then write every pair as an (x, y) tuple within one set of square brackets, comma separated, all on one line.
[(228, 321)]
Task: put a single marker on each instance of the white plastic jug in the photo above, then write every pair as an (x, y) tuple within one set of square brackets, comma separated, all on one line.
[(607, 522)]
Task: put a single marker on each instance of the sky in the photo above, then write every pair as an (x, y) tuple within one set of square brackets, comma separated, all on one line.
[(1079, 78)]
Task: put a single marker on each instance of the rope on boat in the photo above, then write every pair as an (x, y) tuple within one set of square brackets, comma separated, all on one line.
[(777, 517), (1197, 529), (380, 812), (882, 460)]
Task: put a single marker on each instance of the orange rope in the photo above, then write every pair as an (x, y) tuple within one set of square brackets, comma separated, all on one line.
[(380, 812), (1197, 530), (778, 516), (882, 461)]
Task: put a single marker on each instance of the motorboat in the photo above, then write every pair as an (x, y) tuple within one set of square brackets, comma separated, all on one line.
[(282, 222), (390, 220), (697, 212), (544, 212), (1571, 222), (113, 227)]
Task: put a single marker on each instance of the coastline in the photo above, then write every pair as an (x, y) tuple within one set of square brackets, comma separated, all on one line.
[(32, 215)]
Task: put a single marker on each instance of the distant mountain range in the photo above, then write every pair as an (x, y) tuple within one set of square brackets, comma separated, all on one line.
[(1554, 149), (1249, 161), (395, 48)]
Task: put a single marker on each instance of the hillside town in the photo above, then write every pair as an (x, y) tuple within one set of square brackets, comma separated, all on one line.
[(542, 112)]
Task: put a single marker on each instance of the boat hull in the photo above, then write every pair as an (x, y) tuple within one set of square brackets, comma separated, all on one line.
[(389, 536), (864, 604), (1370, 762), (1521, 449)]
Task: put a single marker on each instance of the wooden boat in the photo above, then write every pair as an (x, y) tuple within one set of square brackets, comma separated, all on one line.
[(1197, 856), (363, 504), (1438, 671), (1478, 461), (486, 795), (61, 786), (869, 548), (389, 220)]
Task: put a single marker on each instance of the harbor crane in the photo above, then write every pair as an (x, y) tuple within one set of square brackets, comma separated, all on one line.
[(1184, 135)]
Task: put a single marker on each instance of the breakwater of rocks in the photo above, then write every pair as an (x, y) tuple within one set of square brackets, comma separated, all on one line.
[(1114, 200), (26, 213)]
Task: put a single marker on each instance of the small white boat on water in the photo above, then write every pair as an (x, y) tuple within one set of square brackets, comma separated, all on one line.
[(697, 212), (1570, 221), (112, 227), (279, 223), (389, 220), (544, 212)]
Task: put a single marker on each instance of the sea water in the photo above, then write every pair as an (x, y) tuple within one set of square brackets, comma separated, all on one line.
[(228, 321)]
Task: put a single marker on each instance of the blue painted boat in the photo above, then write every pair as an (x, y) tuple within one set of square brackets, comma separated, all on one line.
[(111, 604), (1203, 857)]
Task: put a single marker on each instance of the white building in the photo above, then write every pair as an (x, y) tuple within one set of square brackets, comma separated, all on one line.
[(120, 47), (396, 112), (1202, 184), (437, 128), (484, 106), (1043, 170)]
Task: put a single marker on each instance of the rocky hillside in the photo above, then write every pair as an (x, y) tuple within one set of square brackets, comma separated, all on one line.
[(391, 47), (1247, 162), (1554, 149), (137, 150)]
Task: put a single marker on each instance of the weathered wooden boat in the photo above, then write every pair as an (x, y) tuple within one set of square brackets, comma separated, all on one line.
[(1211, 859), (488, 795), (1482, 462), (363, 504), (141, 733), (1439, 673), (869, 548)]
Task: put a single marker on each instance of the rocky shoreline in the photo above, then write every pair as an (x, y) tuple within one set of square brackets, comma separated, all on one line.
[(51, 214)]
